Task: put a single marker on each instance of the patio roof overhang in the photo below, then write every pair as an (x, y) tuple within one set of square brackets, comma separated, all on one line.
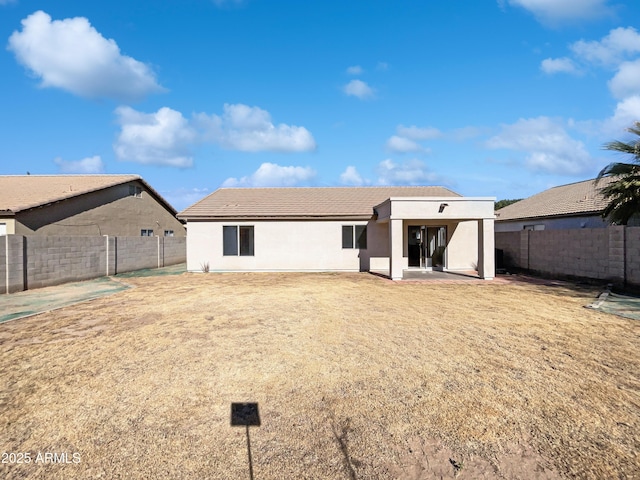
[(435, 208)]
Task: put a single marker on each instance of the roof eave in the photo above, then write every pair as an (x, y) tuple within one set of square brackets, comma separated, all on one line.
[(84, 192), (560, 215), (223, 218), (132, 178)]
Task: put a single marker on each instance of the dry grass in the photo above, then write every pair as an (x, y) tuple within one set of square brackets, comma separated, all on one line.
[(355, 377)]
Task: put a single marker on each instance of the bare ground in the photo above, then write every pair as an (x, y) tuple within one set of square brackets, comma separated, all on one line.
[(355, 377)]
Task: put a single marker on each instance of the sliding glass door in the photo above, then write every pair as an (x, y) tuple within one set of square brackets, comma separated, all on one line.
[(427, 246)]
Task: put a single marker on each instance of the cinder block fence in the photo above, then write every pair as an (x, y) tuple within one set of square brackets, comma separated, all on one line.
[(28, 262), (611, 254)]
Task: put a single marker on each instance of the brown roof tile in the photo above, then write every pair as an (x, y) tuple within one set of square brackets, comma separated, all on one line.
[(302, 202), (21, 192), (572, 199)]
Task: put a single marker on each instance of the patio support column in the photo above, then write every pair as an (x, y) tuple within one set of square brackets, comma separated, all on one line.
[(395, 249), (486, 249)]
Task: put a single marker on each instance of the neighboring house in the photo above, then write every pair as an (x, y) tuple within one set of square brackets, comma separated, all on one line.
[(118, 205), (384, 229), (576, 205)]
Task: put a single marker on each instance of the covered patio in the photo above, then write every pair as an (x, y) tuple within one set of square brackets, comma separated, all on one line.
[(430, 234)]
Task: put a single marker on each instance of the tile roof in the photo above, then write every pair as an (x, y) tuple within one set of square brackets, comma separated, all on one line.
[(22, 192), (572, 199), (302, 202)]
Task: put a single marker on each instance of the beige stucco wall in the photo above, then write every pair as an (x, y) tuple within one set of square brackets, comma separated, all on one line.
[(111, 211), (457, 208), (317, 245), (376, 257), (278, 245)]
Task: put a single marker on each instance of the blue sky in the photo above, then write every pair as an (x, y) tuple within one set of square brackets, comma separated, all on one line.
[(499, 98)]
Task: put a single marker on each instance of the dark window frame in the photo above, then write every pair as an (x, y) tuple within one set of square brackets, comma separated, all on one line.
[(146, 232), (354, 236), (238, 240)]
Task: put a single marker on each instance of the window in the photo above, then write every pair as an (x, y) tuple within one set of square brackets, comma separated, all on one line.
[(232, 243), (354, 236), (135, 191), (146, 233), (533, 227), (168, 233)]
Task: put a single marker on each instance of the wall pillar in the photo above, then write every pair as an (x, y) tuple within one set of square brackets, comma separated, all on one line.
[(486, 249), (523, 260), (617, 254), (15, 264), (395, 248)]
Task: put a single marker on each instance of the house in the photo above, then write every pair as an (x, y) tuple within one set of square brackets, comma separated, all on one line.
[(576, 205), (70, 205), (382, 229)]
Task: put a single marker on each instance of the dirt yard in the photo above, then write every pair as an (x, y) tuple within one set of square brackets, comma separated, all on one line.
[(354, 376)]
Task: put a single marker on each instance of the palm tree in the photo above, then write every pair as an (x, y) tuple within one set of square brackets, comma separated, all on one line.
[(623, 192)]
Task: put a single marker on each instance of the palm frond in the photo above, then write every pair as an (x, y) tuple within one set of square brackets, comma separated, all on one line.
[(623, 192)]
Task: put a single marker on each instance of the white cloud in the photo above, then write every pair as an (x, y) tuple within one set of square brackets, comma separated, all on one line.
[(626, 81), (355, 70), (250, 129), (417, 133), (358, 88), (412, 172), (402, 145), (273, 175), (351, 177), (547, 145), (382, 66), (555, 11), (160, 138), (7, 2), (627, 111), (166, 137), (70, 54), (86, 165), (619, 44), (558, 65)]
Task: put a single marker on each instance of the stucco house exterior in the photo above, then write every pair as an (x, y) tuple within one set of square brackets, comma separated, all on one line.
[(383, 229), (575, 205), (71, 205)]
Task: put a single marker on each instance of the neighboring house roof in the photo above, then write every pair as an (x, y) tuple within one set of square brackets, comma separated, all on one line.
[(23, 192), (580, 198), (296, 202)]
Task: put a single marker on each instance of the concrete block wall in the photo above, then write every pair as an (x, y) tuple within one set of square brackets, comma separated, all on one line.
[(611, 254), (572, 252), (175, 250), (136, 253), (55, 260), (40, 261), (15, 280), (112, 254), (632, 255), (509, 243), (617, 260), (3, 264)]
